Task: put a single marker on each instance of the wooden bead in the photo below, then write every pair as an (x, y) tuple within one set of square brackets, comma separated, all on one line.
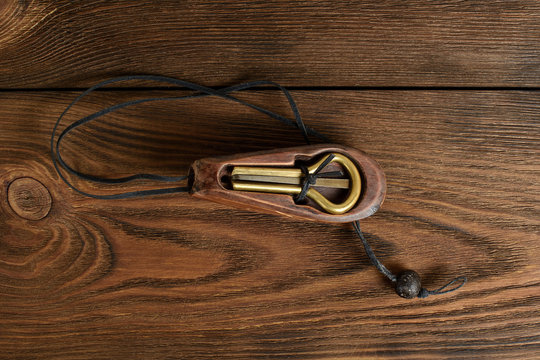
[(408, 284)]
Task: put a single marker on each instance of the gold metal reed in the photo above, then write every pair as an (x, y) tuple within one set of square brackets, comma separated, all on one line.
[(279, 181)]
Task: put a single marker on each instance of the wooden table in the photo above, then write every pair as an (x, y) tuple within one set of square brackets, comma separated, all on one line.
[(443, 94)]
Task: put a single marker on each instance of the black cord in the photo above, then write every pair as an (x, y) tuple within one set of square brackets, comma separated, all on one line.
[(407, 283), (311, 179), (371, 254), (58, 161)]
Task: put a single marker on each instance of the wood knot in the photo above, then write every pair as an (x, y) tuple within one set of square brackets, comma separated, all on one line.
[(29, 198)]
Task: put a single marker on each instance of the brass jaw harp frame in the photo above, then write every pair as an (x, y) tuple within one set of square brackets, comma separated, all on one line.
[(266, 180), (289, 181)]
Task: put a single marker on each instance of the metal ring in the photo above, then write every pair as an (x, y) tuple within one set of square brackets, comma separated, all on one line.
[(354, 192)]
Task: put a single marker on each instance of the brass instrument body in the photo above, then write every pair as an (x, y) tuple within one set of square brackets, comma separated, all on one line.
[(213, 179), (354, 183)]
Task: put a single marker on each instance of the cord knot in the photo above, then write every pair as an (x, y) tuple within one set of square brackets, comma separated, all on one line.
[(310, 179), (424, 293)]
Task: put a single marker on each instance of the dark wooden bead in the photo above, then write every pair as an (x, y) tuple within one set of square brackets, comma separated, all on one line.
[(408, 284)]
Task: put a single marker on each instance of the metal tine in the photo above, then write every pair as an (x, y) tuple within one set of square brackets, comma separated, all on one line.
[(322, 182), (277, 175)]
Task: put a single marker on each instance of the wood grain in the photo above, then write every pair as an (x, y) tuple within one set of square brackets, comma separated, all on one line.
[(178, 277), (59, 44)]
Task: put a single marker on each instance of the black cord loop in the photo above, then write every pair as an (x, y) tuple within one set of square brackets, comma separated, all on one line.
[(424, 293), (200, 91), (407, 283)]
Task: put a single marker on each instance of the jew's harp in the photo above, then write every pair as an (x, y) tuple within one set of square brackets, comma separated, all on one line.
[(330, 183)]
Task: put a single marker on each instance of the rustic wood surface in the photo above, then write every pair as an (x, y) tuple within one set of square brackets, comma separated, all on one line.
[(443, 94), (179, 277), (66, 43)]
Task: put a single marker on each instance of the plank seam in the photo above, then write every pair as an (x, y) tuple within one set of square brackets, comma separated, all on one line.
[(292, 88)]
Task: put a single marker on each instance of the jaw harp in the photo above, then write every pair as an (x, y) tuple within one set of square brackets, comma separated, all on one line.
[(289, 181), (269, 181)]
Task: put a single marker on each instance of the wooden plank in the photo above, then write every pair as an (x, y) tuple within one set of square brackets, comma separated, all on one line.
[(324, 43), (178, 277)]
